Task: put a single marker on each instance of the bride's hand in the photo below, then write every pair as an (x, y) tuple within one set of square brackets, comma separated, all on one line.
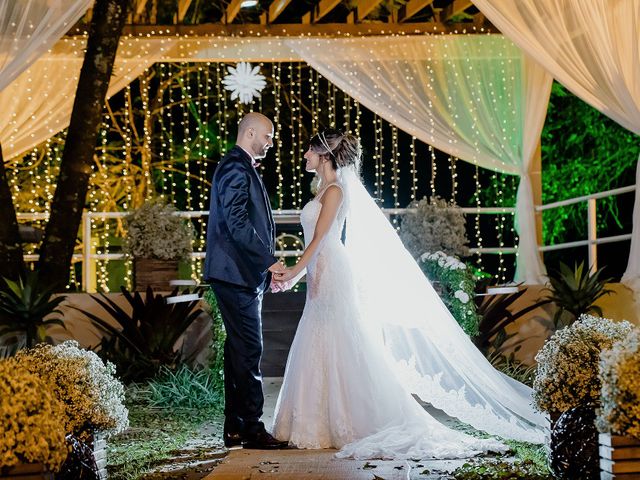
[(285, 276)]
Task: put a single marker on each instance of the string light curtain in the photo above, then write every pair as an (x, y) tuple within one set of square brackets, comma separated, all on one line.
[(593, 49), (476, 97), (30, 28), (38, 104)]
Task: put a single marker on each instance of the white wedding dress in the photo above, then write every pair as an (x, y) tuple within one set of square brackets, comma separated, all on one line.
[(344, 385)]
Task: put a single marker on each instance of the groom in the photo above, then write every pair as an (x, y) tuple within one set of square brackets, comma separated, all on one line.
[(239, 265)]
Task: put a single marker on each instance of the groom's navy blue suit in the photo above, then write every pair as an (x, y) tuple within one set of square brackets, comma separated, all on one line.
[(240, 249)]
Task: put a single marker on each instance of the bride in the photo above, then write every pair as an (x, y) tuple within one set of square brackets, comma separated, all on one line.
[(374, 333)]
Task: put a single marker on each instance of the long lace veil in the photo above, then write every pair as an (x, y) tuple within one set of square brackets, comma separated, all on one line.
[(426, 347)]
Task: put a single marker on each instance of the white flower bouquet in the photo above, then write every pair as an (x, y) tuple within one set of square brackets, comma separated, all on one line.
[(457, 284), (434, 224), (93, 397), (154, 231), (619, 413), (567, 372)]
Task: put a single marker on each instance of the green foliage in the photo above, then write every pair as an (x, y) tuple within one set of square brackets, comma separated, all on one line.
[(499, 470), (185, 388), (218, 335), (24, 305), (145, 339), (583, 151), (509, 365), (495, 315), (153, 437), (455, 284), (575, 291)]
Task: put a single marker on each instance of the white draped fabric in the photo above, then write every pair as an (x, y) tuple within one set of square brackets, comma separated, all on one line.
[(38, 104), (592, 48), (476, 97), (28, 28)]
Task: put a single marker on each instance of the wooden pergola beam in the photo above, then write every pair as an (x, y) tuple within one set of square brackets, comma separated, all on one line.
[(412, 7), (295, 30), (140, 6), (364, 8), (183, 7), (231, 12), (274, 11), (319, 10), (454, 8)]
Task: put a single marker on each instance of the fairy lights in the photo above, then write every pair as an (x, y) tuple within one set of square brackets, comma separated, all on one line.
[(178, 149)]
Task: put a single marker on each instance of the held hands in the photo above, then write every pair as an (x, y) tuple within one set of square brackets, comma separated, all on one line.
[(287, 275), (277, 267)]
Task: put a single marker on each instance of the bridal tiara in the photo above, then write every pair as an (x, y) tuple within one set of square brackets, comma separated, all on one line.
[(323, 140)]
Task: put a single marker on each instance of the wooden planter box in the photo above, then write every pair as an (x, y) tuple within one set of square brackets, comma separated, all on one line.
[(26, 471), (619, 457), (98, 444), (154, 273)]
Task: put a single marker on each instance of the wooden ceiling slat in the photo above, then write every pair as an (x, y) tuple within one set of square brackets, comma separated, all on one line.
[(324, 7), (295, 30), (365, 7), (232, 11), (183, 7), (274, 11), (454, 8), (140, 6), (411, 8)]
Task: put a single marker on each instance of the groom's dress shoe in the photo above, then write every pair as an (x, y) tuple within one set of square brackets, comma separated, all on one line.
[(233, 439), (264, 441)]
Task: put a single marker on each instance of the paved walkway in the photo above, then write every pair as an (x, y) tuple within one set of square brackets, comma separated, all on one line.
[(321, 464)]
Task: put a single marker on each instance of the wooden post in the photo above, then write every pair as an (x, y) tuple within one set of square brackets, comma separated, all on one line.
[(535, 174)]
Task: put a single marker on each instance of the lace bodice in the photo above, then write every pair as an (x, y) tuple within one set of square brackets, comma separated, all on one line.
[(311, 212)]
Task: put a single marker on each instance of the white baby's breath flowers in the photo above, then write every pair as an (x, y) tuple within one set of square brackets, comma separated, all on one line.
[(106, 388), (567, 372), (620, 395)]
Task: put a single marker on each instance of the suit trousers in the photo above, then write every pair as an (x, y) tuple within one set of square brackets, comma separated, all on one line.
[(240, 308)]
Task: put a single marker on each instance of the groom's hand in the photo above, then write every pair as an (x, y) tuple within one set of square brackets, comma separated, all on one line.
[(277, 268)]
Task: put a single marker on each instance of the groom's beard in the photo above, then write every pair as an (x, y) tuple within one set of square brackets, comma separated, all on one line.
[(260, 150)]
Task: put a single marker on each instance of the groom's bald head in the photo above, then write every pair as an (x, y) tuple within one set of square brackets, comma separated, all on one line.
[(255, 134)]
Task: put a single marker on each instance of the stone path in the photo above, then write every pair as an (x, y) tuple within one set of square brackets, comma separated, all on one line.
[(321, 464)]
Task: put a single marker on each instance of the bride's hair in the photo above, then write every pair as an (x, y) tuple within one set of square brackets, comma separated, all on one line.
[(342, 149)]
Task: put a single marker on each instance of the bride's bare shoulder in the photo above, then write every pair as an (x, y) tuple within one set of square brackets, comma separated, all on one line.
[(333, 193)]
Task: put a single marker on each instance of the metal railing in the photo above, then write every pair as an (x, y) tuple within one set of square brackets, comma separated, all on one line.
[(292, 217), (592, 240)]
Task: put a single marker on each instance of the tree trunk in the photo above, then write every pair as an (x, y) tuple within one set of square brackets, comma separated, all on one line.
[(75, 170), (11, 260)]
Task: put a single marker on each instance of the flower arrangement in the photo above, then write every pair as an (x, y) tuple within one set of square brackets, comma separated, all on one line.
[(92, 396), (567, 373), (30, 430), (458, 287), (154, 231), (434, 225), (619, 413)]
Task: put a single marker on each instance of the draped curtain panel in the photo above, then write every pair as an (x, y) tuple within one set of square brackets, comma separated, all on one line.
[(38, 104), (592, 48), (28, 28), (476, 97)]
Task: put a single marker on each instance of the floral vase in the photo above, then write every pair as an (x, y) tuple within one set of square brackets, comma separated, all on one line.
[(154, 273), (98, 443), (619, 456), (26, 471)]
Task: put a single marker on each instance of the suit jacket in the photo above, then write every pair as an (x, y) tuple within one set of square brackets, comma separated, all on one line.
[(241, 231)]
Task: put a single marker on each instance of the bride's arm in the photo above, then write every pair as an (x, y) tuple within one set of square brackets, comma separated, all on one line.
[(331, 200)]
